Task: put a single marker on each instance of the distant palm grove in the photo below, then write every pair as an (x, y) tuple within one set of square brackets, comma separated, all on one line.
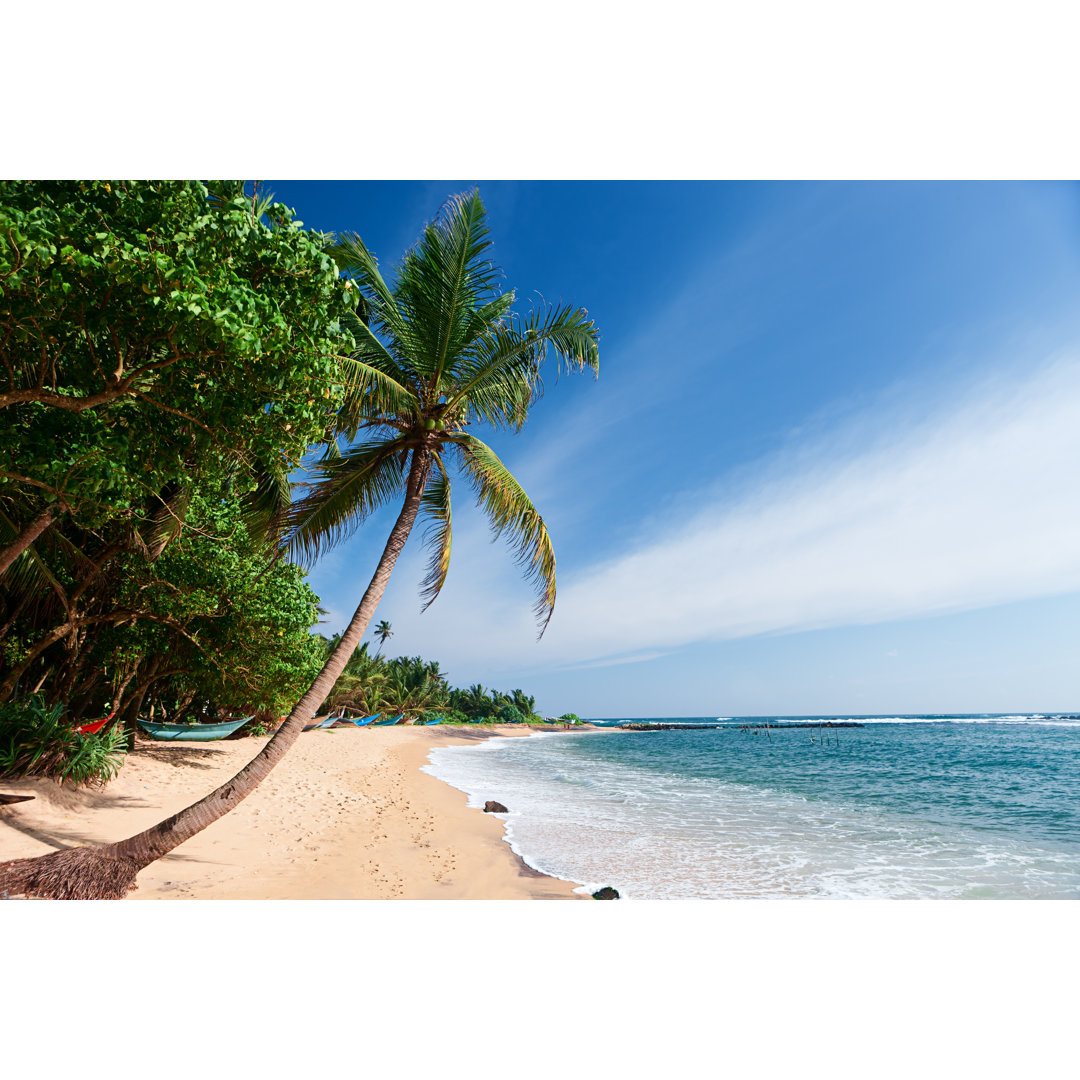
[(413, 686)]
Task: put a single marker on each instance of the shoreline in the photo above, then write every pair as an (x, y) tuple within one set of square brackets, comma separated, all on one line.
[(348, 814)]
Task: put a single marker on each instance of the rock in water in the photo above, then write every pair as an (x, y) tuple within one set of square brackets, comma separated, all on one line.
[(492, 807), (606, 893)]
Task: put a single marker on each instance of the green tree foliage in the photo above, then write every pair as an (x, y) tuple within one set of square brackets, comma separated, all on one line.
[(215, 625), (151, 330), (163, 345), (477, 703), (230, 621)]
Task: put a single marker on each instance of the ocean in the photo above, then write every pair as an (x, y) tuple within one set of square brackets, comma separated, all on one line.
[(949, 807)]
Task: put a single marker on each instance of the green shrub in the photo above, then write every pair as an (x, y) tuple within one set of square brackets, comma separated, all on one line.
[(453, 716), (35, 740), (510, 714)]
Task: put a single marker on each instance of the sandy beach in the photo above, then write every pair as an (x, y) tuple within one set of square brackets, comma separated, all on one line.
[(347, 815)]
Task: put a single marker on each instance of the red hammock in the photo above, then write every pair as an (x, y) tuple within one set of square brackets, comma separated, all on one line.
[(95, 725)]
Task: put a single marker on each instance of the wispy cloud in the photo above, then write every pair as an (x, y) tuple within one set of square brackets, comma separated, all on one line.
[(972, 507), (636, 658), (908, 514)]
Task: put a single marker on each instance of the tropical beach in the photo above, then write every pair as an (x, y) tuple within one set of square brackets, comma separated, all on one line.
[(249, 616), (287, 468)]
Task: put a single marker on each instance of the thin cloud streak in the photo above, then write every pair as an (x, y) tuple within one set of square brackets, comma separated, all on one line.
[(974, 508), (637, 658)]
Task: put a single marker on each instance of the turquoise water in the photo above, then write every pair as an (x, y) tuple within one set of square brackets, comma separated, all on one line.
[(902, 807)]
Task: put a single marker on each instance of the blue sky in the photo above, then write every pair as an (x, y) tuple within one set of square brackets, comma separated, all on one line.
[(830, 463)]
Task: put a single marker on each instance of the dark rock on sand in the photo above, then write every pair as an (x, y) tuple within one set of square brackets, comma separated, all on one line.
[(492, 807), (606, 893)]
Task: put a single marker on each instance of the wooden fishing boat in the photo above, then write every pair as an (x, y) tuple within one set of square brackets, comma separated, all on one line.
[(389, 723), (193, 732), (325, 722), (362, 721)]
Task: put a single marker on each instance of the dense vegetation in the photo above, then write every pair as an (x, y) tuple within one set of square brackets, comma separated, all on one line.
[(36, 740), (169, 352)]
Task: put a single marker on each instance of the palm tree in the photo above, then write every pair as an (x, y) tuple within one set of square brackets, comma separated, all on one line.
[(438, 352), (410, 689), (383, 633), (477, 701), (432, 668), (524, 703)]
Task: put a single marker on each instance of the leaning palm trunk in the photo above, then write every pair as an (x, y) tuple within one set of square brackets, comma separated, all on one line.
[(29, 534), (109, 872)]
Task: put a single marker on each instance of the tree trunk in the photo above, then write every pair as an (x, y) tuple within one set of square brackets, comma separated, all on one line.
[(177, 714), (28, 536), (118, 694), (109, 872), (134, 706), (51, 638)]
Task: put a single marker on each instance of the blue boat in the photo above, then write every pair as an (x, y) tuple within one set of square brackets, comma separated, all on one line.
[(437, 720), (325, 722), (362, 721), (389, 723), (193, 732)]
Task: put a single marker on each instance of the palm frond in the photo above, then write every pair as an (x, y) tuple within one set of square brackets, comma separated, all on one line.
[(29, 574), (370, 350), (349, 488), (266, 508), (445, 278), (483, 319), (373, 392), (331, 451), (260, 203), (29, 586), (501, 375), (509, 510), (435, 505), (353, 258), (167, 516)]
